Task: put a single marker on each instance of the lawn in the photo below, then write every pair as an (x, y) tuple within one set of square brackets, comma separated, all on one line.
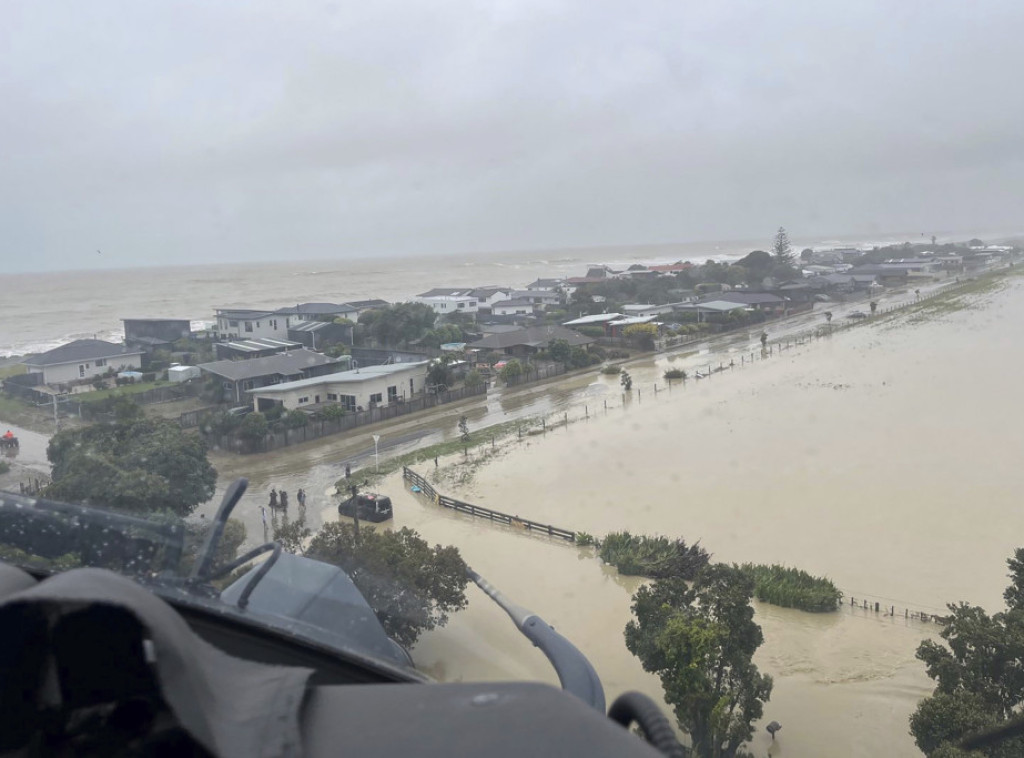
[(12, 369), (127, 389)]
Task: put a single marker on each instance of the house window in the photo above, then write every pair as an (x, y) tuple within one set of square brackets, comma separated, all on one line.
[(233, 324), (348, 402), (81, 369), (376, 398), (462, 305), (332, 396), (392, 394), (101, 362), (303, 400), (248, 326)]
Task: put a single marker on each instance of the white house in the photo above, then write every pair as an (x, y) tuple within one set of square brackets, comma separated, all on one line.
[(445, 305), (358, 389), (243, 323), (488, 296), (646, 309), (82, 359), (517, 307), (303, 312)]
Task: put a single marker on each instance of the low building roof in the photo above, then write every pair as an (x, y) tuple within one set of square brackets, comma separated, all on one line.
[(81, 350), (593, 319), (534, 336), (342, 377), (373, 303), (159, 320), (446, 292), (282, 364), (259, 344), (236, 314), (629, 320), (718, 306), (519, 302), (316, 308), (749, 298)]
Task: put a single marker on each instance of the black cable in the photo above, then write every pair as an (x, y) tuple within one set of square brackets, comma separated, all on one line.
[(227, 568), (630, 707), (243, 599)]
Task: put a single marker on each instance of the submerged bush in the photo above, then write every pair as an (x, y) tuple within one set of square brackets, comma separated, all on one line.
[(653, 557), (793, 588), (675, 373)]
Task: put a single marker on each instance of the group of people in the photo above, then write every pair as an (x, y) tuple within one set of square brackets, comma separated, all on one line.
[(280, 500)]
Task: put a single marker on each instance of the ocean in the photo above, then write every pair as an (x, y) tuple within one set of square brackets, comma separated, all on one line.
[(40, 311)]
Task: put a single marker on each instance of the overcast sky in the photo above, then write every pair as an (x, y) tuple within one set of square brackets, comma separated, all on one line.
[(180, 132)]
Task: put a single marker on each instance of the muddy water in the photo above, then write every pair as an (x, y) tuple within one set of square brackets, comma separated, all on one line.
[(887, 458)]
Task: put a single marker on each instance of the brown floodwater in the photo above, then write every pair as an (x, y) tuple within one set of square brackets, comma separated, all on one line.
[(886, 457)]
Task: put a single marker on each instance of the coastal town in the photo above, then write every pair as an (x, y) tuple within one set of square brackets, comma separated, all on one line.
[(255, 372)]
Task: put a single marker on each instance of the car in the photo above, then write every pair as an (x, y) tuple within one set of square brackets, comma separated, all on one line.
[(857, 314)]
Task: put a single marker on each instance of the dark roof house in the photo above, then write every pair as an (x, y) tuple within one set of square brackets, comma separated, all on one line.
[(240, 376), (530, 340)]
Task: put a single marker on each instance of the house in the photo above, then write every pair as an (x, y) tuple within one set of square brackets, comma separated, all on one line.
[(234, 323), (595, 319), (758, 301), (541, 298), (446, 305), (354, 390), (258, 347), (155, 333), (488, 296), (671, 268), (318, 335), (83, 359), (711, 308), (241, 376), (524, 342), (889, 276), (301, 312), (639, 309), (545, 285), (367, 305), (617, 327), (518, 307)]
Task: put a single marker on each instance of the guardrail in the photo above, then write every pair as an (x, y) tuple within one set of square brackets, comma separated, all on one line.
[(494, 516)]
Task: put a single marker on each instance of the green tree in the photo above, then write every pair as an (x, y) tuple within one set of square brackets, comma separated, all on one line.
[(398, 324), (700, 640), (511, 371), (439, 375), (474, 379), (560, 351), (295, 419), (410, 586), (253, 429), (137, 464), (978, 677), (782, 251)]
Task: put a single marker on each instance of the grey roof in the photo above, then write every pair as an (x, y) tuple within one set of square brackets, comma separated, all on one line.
[(515, 303), (485, 292), (316, 309), (81, 350), (881, 270), (259, 344), (161, 320), (540, 283), (534, 336), (236, 314), (282, 364), (748, 298), (719, 306), (446, 292), (376, 303), (594, 319), (343, 377)]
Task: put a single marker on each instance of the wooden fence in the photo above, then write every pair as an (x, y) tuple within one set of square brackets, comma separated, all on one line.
[(492, 516)]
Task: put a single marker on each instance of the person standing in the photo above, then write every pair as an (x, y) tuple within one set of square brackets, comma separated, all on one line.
[(284, 499), (301, 497), (273, 498)]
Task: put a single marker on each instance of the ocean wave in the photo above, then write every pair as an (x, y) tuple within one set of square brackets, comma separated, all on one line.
[(31, 347)]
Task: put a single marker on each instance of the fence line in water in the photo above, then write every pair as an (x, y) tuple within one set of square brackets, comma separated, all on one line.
[(491, 515)]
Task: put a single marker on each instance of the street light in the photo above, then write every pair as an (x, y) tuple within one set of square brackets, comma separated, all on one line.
[(376, 454)]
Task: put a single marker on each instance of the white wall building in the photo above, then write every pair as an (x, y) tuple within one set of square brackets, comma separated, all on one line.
[(359, 389), (83, 359), (518, 307), (243, 323), (445, 305)]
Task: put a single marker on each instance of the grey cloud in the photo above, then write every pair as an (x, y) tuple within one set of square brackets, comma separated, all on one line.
[(192, 132)]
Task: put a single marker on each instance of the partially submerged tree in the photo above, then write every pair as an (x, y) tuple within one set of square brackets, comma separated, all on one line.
[(978, 677), (700, 640)]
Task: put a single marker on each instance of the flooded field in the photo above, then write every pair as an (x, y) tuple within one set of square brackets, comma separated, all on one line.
[(886, 458)]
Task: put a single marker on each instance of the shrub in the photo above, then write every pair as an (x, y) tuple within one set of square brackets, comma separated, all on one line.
[(583, 539), (332, 412), (611, 370), (653, 557), (793, 588), (618, 355), (675, 373), (473, 379), (295, 419)]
